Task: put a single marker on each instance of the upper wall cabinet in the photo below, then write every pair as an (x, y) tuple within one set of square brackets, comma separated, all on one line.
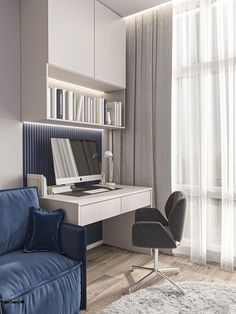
[(62, 40), (81, 36), (110, 46), (71, 35)]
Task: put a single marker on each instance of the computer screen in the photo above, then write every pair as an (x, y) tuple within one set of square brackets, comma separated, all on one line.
[(75, 161)]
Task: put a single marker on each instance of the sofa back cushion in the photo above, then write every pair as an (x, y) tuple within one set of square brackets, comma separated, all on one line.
[(14, 216)]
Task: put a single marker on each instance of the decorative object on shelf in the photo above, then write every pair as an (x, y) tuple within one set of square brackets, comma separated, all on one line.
[(108, 118), (109, 155), (115, 110)]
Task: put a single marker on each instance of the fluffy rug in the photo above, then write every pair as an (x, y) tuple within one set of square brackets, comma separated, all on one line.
[(199, 298)]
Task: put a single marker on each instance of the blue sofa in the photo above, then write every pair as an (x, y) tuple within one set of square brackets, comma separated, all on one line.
[(44, 282)]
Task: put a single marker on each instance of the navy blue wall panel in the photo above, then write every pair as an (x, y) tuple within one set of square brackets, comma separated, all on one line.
[(38, 155)]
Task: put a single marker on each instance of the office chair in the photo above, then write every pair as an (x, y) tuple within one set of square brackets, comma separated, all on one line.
[(152, 230)]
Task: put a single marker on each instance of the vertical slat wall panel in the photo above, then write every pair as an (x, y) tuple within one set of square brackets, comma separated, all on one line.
[(37, 146), (37, 155)]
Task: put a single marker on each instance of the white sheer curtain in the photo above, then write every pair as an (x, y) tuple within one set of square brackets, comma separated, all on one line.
[(204, 124)]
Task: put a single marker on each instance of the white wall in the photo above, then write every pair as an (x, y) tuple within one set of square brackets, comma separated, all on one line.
[(10, 109)]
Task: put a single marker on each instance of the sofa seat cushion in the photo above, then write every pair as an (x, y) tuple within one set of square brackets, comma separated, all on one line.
[(43, 280)]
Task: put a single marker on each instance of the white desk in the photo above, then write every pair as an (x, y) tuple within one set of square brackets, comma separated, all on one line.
[(114, 208)]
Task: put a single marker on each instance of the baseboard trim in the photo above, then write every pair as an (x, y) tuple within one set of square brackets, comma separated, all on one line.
[(93, 245)]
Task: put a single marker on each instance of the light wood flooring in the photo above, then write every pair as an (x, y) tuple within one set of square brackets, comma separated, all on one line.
[(109, 274)]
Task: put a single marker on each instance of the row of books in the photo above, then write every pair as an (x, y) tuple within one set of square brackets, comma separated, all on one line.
[(67, 105)]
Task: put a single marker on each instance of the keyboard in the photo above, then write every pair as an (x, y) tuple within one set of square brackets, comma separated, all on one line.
[(95, 191)]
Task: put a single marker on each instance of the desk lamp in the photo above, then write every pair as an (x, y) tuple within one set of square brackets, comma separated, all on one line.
[(109, 155)]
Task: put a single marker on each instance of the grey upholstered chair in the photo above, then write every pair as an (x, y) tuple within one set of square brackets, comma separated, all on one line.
[(153, 230)]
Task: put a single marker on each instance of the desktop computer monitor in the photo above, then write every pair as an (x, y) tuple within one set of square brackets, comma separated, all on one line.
[(75, 161)]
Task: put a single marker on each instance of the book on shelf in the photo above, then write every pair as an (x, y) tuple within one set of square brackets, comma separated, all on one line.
[(49, 101), (69, 104), (81, 113), (105, 112), (85, 109), (89, 109), (75, 107), (94, 107), (119, 113), (101, 102), (79, 108), (64, 104), (98, 111), (92, 110), (59, 99), (52, 103)]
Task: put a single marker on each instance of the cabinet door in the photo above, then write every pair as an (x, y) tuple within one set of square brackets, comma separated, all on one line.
[(110, 43), (71, 35)]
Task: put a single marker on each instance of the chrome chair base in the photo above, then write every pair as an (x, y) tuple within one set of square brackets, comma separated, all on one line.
[(155, 271)]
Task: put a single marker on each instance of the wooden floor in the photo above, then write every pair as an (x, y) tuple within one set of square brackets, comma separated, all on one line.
[(109, 274)]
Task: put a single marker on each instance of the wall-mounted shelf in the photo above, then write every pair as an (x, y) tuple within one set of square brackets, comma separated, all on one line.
[(36, 106), (81, 124), (84, 107)]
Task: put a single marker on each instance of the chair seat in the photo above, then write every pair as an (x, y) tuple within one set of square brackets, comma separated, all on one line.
[(44, 280)]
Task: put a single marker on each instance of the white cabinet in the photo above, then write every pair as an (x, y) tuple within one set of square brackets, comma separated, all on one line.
[(110, 46), (71, 35), (58, 39)]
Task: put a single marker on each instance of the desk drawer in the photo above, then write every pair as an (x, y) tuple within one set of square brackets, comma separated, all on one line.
[(135, 201), (99, 211)]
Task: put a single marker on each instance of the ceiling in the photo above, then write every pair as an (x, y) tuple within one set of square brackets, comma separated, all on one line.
[(128, 7)]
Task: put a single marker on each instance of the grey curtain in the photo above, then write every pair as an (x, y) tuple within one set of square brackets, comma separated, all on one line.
[(143, 150)]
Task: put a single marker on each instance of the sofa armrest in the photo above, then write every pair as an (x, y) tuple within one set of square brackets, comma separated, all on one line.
[(152, 235), (74, 244)]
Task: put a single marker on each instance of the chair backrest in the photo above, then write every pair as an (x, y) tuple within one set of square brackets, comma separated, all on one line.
[(175, 210), (14, 216)]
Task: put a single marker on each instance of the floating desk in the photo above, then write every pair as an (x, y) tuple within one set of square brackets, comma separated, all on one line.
[(115, 208)]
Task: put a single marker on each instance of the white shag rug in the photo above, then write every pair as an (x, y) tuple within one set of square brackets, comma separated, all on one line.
[(199, 298)]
